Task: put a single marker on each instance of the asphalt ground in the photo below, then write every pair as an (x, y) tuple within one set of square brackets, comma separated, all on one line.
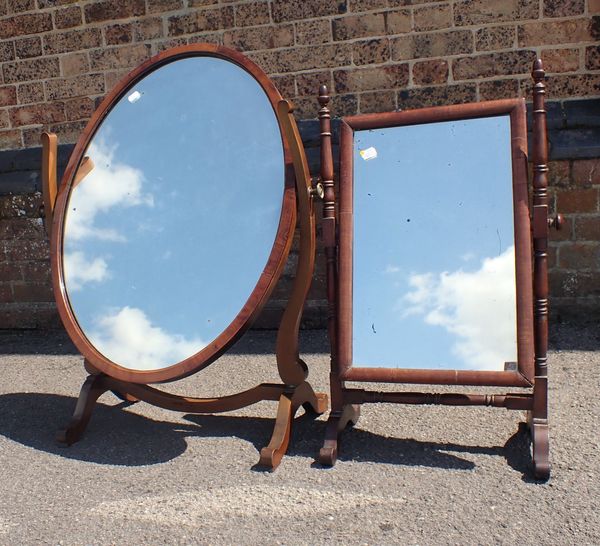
[(406, 474)]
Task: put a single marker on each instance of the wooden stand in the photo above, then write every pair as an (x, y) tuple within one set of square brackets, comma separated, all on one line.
[(293, 392), (345, 402)]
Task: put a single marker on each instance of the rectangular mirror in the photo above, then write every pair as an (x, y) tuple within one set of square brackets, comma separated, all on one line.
[(435, 251)]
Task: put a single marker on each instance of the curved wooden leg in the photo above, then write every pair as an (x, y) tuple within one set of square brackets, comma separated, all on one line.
[(337, 422), (540, 444), (91, 390), (303, 395), (125, 396)]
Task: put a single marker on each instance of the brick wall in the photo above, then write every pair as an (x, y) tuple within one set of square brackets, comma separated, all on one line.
[(58, 58)]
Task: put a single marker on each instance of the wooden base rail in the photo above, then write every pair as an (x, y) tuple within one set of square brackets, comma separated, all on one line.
[(508, 401)]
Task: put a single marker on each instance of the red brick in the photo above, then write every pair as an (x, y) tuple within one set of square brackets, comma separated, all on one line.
[(433, 17), (477, 12), (559, 174), (313, 32), (370, 79), (36, 272), (308, 84), (585, 200), (437, 96), (207, 38), (32, 292), (118, 34), (286, 85), (398, 21), (72, 40), (555, 32), (291, 10), (28, 47), (31, 92), (493, 64), (560, 60), (28, 250), (16, 6), (69, 131), (368, 5), (563, 8), (587, 228), (209, 19), (29, 23), (74, 64), (430, 72), (33, 69), (586, 172), (10, 140), (6, 294), (148, 28), (108, 10), (498, 89), (9, 272), (37, 114), (371, 51), (494, 38), (359, 26), (79, 108), (119, 57), (252, 13), (4, 118), (569, 86), (160, 6), (8, 95), (7, 51), (377, 101), (68, 17), (303, 58), (579, 256), (54, 3), (438, 44), (594, 6), (84, 85), (265, 37), (592, 57), (22, 228)]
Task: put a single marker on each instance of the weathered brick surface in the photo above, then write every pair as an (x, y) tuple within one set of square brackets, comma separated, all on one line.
[(59, 57)]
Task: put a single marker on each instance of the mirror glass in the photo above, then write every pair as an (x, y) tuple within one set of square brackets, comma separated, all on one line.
[(433, 256), (173, 215)]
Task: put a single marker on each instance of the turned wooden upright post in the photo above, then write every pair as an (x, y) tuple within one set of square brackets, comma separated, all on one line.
[(329, 220), (541, 222)]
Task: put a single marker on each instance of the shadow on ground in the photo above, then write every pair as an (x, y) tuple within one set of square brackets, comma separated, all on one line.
[(116, 436)]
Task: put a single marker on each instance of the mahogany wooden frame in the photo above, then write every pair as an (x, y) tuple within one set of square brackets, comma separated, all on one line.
[(297, 208), (532, 338), (350, 371)]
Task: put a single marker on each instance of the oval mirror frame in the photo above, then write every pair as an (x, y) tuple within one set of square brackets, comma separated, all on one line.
[(270, 274)]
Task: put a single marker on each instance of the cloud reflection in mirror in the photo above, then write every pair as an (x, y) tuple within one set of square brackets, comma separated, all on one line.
[(127, 335), (477, 307)]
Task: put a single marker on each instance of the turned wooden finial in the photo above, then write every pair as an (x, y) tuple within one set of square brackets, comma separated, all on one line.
[(323, 96), (538, 73)]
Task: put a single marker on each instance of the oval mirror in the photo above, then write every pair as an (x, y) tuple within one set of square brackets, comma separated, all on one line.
[(175, 215)]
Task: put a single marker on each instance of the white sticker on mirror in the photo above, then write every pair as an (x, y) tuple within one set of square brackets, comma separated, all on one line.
[(134, 97), (368, 153)]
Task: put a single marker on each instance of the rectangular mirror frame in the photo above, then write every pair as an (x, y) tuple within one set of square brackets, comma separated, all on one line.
[(524, 375)]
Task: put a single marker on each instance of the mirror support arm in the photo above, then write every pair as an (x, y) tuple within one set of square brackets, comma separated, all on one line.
[(292, 370), (49, 176)]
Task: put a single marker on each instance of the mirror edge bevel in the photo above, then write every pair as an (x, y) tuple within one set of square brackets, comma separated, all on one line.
[(524, 375), (270, 273)]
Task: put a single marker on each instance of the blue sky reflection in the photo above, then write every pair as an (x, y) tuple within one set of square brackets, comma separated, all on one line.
[(434, 269), (168, 235)]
